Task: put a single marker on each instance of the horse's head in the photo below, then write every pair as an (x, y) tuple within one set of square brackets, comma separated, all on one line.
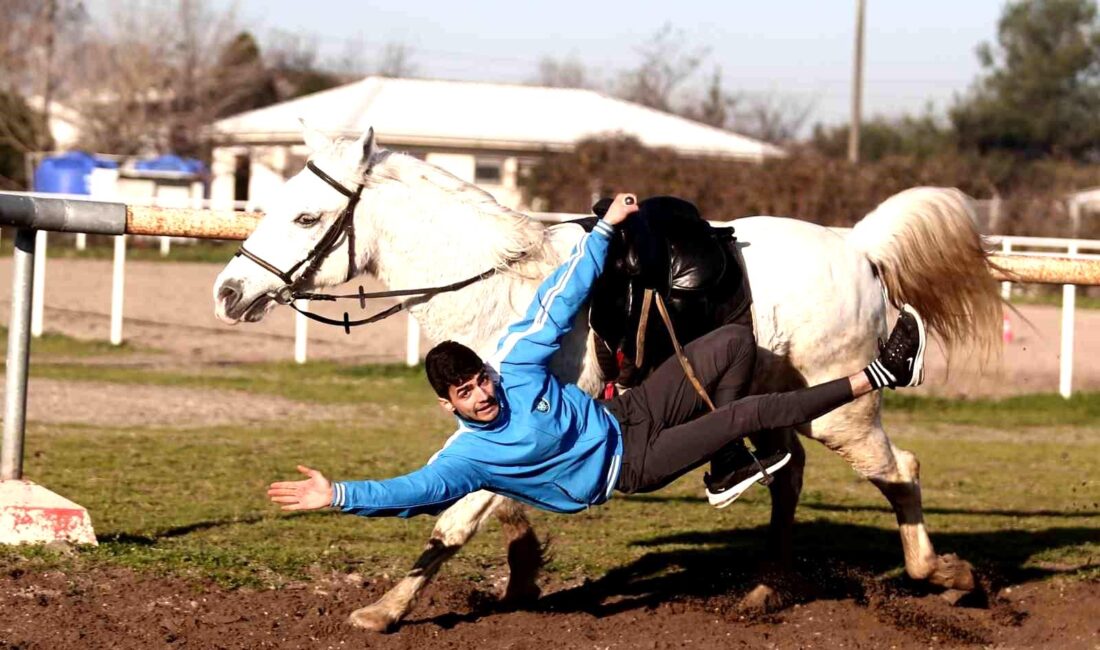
[(301, 241)]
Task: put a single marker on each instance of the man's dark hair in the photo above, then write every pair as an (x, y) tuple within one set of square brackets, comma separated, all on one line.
[(450, 364)]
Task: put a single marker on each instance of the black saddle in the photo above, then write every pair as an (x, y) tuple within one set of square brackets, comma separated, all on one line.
[(667, 247)]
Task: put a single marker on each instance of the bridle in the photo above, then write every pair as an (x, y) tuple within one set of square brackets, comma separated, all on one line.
[(330, 241), (344, 224)]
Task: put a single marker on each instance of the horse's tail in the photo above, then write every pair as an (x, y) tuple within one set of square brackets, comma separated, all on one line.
[(924, 245)]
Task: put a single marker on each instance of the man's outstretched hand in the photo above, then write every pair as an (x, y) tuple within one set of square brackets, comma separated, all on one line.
[(310, 494), (622, 207)]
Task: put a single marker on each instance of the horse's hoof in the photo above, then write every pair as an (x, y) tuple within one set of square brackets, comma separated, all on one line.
[(372, 618), (520, 595), (953, 574), (761, 600)]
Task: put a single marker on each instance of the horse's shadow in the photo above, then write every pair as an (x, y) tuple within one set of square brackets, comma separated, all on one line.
[(834, 561)]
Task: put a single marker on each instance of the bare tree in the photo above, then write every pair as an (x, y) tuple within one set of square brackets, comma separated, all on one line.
[(562, 73), (664, 67), (35, 34), (293, 59), (152, 75), (395, 60), (292, 51), (716, 106), (771, 116)]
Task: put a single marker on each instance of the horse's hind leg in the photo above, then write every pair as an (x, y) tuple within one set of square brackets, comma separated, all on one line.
[(855, 432), (452, 530)]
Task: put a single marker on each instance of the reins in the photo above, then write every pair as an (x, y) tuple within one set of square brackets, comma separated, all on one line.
[(363, 297), (344, 224)]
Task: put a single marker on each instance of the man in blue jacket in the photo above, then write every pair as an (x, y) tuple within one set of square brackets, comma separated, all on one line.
[(524, 434)]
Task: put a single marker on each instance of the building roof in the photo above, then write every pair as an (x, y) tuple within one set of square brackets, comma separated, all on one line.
[(481, 115)]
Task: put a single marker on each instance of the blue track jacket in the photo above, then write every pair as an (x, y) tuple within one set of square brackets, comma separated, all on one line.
[(552, 446)]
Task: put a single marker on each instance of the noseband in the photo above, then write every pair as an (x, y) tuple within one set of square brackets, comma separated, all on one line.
[(330, 241)]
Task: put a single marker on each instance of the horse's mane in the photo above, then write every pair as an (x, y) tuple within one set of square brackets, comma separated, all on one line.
[(515, 240)]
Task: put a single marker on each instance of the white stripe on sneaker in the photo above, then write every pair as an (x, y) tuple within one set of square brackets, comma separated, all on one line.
[(728, 496)]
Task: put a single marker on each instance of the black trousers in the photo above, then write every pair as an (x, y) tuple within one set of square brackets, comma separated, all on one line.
[(668, 429)]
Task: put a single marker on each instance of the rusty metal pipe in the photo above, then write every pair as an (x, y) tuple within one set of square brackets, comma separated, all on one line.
[(1045, 270), (190, 222)]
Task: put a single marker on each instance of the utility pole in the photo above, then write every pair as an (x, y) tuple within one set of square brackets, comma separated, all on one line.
[(49, 82), (857, 88)]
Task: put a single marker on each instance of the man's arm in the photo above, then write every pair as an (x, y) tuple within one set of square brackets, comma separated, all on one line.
[(535, 338), (428, 490)]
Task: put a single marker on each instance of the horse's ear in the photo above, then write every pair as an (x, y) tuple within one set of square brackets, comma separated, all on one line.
[(365, 144), (315, 140)]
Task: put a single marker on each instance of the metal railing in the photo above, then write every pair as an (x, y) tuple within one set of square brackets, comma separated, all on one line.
[(1042, 247)]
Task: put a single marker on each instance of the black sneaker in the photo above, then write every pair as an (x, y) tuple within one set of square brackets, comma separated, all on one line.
[(724, 487), (901, 360)]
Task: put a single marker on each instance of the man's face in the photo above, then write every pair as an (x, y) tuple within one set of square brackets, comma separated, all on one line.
[(474, 399)]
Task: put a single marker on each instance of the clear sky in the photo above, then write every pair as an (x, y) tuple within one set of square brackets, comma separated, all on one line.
[(916, 52)]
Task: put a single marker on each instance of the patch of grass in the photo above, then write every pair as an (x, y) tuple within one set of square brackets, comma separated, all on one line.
[(190, 501), (1017, 411), (1042, 295), (51, 345)]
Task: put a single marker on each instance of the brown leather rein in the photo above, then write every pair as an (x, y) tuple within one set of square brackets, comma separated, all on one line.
[(330, 241)]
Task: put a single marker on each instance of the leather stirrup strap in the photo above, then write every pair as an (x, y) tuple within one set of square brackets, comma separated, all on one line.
[(684, 363), (766, 478), (643, 323)]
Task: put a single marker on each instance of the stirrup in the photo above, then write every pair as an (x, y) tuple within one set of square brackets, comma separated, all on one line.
[(766, 479)]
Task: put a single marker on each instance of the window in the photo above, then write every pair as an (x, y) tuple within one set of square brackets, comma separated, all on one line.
[(488, 171), (242, 176)]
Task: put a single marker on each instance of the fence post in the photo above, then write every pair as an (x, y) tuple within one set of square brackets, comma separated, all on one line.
[(118, 289), (81, 241), (301, 326), (1006, 287), (412, 342), (38, 299), (19, 347), (1069, 305), (165, 246)]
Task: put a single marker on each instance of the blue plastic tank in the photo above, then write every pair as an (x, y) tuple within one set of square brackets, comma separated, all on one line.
[(171, 163), (66, 173)]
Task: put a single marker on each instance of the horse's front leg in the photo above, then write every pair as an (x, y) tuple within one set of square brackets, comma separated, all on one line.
[(785, 490), (452, 530), (525, 554)]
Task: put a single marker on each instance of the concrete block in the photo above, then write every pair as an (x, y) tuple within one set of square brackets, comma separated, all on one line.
[(29, 514)]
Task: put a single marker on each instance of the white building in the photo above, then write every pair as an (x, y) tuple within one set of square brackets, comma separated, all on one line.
[(485, 133)]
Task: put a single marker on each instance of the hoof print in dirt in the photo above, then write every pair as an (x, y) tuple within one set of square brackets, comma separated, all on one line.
[(976, 598)]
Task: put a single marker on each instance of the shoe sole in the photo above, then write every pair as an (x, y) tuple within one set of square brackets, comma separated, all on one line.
[(918, 361), (725, 497)]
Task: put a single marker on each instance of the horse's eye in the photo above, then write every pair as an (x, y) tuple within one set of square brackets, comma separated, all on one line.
[(307, 219)]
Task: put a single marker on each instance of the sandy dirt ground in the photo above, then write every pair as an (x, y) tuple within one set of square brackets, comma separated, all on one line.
[(169, 307), (69, 402), (119, 609)]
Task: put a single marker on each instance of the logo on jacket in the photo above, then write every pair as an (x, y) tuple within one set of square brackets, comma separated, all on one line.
[(543, 406)]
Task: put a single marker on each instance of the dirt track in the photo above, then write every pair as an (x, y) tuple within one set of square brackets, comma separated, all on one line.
[(169, 307), (120, 610)]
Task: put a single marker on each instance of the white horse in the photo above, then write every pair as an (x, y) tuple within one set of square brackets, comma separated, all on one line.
[(819, 310)]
